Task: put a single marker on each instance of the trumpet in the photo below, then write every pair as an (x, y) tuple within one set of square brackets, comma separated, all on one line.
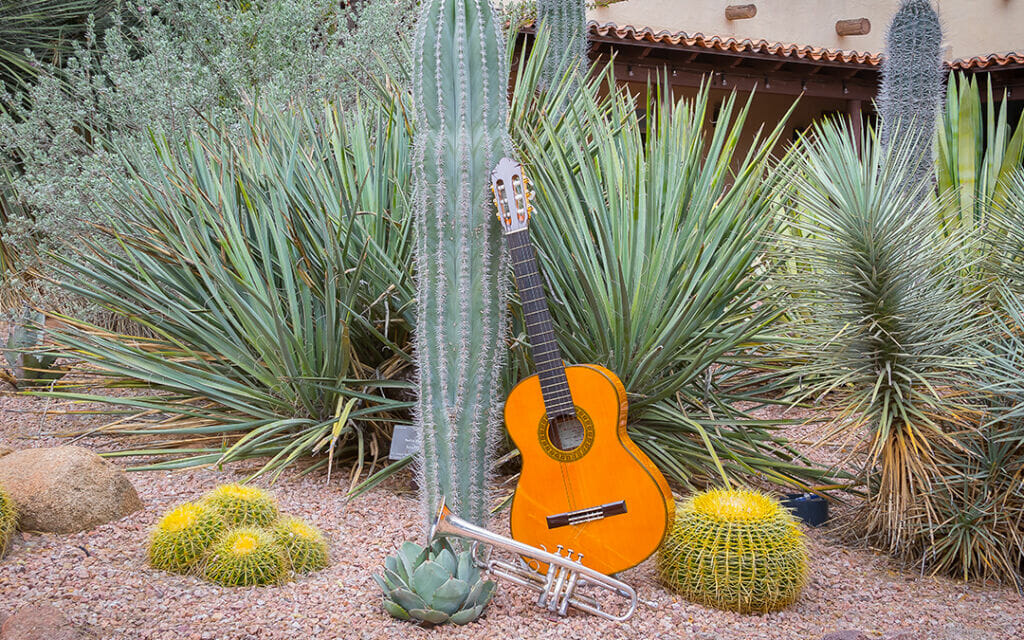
[(558, 587)]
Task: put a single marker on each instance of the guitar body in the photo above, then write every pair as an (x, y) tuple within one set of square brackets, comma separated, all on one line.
[(560, 494)]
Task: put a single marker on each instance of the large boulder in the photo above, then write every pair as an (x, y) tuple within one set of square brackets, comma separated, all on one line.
[(66, 489)]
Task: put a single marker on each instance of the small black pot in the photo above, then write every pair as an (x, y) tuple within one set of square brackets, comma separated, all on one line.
[(811, 509)]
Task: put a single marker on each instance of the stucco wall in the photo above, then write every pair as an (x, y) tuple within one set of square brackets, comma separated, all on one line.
[(972, 27)]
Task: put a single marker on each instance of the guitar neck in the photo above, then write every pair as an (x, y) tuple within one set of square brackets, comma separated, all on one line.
[(547, 357)]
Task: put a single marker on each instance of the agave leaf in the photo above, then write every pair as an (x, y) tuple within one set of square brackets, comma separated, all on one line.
[(428, 577), (447, 560), (467, 615), (481, 593), (396, 610), (392, 564), (407, 599), (393, 579), (382, 583), (465, 567), (411, 556), (432, 616), (450, 596)]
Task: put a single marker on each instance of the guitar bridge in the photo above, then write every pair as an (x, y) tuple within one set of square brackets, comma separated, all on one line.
[(590, 514)]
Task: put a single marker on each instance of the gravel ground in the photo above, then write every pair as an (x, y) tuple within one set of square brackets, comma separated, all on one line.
[(99, 578)]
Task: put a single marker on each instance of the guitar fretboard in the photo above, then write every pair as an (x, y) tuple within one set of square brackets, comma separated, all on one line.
[(547, 357)]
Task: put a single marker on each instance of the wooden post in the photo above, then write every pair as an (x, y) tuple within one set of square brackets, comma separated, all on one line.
[(740, 11), (854, 27), (853, 109)]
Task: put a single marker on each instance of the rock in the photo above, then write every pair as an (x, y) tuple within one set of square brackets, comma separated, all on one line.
[(66, 489), (4, 451), (846, 634), (40, 622)]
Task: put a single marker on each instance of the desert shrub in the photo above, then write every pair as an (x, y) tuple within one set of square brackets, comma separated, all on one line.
[(170, 65), (245, 348), (271, 269)]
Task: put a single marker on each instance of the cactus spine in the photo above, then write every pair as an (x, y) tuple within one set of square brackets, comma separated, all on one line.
[(459, 91), (183, 536), (566, 22), (242, 506), (912, 90), (303, 544), (246, 557), (736, 550)]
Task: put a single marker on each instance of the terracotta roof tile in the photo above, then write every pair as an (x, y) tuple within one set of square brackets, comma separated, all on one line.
[(629, 32), (781, 49), (991, 60)]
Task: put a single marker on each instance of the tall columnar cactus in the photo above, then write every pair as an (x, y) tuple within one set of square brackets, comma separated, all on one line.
[(566, 22), (912, 89), (459, 90)]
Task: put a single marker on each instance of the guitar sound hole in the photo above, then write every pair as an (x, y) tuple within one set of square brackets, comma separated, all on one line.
[(566, 432)]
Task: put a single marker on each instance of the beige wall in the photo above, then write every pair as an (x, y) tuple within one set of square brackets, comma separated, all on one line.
[(972, 27)]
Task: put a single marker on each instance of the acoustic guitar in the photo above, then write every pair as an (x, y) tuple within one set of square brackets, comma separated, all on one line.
[(586, 491)]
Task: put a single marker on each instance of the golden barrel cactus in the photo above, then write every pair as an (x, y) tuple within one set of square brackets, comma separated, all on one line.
[(303, 544), (243, 506), (182, 537), (246, 557), (8, 520), (735, 550)]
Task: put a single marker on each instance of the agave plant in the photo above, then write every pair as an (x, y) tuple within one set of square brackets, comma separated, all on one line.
[(976, 154), (434, 584), (271, 272), (888, 337)]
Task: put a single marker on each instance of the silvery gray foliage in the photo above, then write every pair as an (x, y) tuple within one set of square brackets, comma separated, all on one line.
[(912, 79), (178, 63), (460, 88), (566, 21)]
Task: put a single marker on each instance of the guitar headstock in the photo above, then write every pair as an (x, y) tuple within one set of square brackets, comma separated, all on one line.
[(512, 195)]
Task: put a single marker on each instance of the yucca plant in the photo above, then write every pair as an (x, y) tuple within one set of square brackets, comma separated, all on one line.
[(270, 268), (889, 324), (651, 240)]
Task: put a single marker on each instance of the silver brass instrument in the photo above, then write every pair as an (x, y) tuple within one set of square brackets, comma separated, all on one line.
[(557, 588)]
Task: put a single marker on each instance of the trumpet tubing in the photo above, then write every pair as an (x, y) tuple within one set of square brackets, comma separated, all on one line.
[(557, 587)]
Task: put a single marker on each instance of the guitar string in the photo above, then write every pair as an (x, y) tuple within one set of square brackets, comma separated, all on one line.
[(555, 389)]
